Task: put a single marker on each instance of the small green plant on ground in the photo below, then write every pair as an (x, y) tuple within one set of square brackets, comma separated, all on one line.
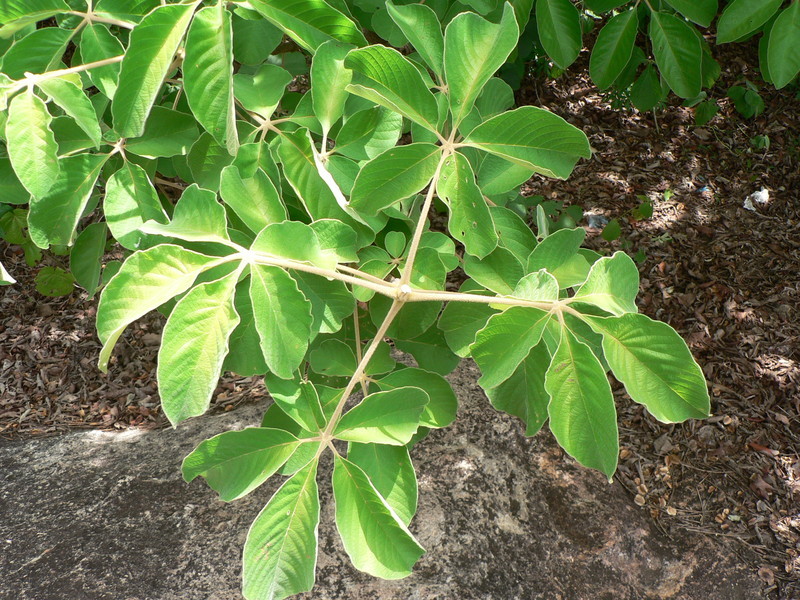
[(301, 243)]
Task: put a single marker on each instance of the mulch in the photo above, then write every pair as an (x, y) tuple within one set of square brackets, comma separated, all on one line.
[(727, 278)]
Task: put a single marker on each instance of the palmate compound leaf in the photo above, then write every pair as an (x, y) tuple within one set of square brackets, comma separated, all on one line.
[(474, 49), (280, 554), (282, 318), (208, 74), (310, 23), (654, 364), (194, 346), (373, 535), (396, 174), (390, 417), (150, 53), (234, 463), (470, 220), (146, 280), (390, 470), (612, 285), (32, 146), (533, 138), (386, 77), (581, 409)]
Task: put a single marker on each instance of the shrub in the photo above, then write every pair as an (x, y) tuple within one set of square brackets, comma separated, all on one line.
[(301, 242)]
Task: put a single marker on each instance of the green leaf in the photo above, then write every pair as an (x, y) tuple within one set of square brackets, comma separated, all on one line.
[(470, 220), (368, 133), (254, 38), (24, 12), (234, 463), (601, 6), (262, 91), (474, 49), (331, 301), (75, 104), (513, 232), (329, 80), (742, 17), (783, 51), (198, 217), (86, 254), (523, 394), (208, 74), (499, 271), (31, 145), (533, 138), (655, 365), (166, 133), (374, 537), (558, 254), (460, 323), (506, 340), (613, 48), (300, 401), (52, 219), (293, 240), (280, 553), (678, 53), (255, 199), (244, 356), (310, 23), (193, 347), (130, 200), (442, 405), (386, 77), (582, 413), (645, 95), (146, 280), (98, 43), (54, 282), (39, 51), (421, 26), (334, 358), (613, 284), (396, 174), (283, 318), (559, 26), (391, 417), (206, 161), (150, 53), (301, 172), (390, 470), (430, 351), (11, 190), (701, 12)]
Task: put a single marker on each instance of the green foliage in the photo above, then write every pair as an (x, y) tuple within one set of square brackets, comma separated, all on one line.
[(287, 234)]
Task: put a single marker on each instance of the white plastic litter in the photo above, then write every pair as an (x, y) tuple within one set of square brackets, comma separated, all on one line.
[(759, 197)]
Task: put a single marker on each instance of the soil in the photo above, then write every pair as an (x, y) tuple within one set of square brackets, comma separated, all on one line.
[(724, 276)]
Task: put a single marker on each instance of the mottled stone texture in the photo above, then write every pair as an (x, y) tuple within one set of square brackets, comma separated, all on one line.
[(106, 516)]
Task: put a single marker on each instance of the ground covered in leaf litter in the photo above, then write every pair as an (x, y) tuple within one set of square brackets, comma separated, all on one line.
[(728, 278)]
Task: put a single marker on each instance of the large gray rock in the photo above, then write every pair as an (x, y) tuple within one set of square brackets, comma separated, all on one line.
[(96, 516)]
